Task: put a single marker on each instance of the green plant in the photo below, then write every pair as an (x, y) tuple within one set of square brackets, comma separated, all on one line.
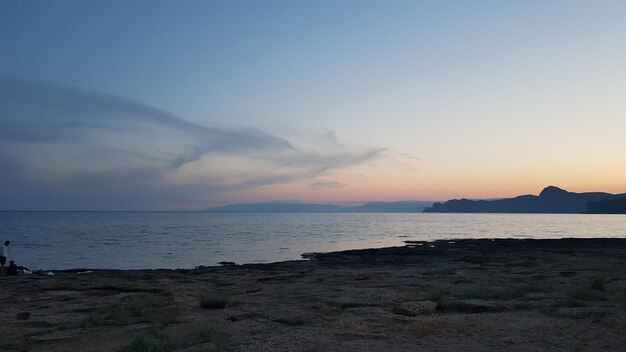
[(292, 320), (7, 346), (136, 309), (587, 295), (208, 334), (142, 344), (599, 284), (491, 294), (427, 325), (353, 326), (540, 286), (348, 305), (211, 335), (438, 295), (212, 301), (571, 302)]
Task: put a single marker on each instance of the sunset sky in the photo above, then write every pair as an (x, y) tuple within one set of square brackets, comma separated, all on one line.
[(182, 105)]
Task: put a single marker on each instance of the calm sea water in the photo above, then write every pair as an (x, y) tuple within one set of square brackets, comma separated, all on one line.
[(138, 240)]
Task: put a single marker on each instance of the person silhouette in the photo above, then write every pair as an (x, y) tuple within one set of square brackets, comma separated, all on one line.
[(4, 255), (12, 268)]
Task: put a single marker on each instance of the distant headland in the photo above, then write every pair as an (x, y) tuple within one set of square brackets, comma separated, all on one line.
[(551, 200), (408, 206)]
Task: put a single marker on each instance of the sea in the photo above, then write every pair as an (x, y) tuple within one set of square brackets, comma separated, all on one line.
[(153, 240)]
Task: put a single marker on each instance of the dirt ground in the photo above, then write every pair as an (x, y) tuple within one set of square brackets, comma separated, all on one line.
[(467, 295)]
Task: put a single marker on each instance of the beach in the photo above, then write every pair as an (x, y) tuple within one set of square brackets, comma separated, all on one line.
[(464, 295)]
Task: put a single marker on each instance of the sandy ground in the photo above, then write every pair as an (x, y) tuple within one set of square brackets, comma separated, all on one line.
[(469, 295)]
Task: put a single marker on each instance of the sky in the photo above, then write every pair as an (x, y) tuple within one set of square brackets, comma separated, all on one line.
[(183, 105)]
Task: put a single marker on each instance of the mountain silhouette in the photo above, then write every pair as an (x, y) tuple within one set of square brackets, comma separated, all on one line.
[(295, 207), (607, 206), (551, 200)]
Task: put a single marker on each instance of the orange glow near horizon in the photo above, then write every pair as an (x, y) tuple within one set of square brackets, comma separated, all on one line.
[(384, 181)]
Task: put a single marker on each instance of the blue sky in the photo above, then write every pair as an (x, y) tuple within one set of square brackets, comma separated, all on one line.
[(231, 101)]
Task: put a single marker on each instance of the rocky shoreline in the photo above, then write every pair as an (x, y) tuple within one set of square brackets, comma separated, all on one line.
[(465, 295)]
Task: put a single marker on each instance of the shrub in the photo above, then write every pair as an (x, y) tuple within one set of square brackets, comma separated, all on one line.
[(208, 334), (292, 320), (438, 295), (348, 305), (540, 286), (136, 309), (599, 284), (212, 301), (428, 325), (587, 295), (141, 344)]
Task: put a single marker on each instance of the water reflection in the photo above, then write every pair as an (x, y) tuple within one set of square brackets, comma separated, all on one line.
[(170, 240)]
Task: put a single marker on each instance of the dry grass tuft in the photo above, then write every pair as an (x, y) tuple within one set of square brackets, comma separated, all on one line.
[(427, 325), (217, 301), (294, 320), (352, 326), (134, 309)]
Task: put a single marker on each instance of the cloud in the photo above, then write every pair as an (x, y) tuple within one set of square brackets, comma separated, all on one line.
[(326, 184), (63, 148)]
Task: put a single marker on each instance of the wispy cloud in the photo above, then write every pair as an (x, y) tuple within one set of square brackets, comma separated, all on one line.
[(69, 148), (326, 184)]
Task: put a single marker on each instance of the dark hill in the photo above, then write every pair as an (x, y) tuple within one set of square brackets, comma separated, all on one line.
[(607, 206), (278, 207), (407, 206), (294, 207), (550, 200)]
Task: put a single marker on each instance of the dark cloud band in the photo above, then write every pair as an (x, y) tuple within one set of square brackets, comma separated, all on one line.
[(65, 148)]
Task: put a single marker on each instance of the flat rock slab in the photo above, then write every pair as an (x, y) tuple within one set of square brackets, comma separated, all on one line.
[(399, 299), (469, 306), (415, 308)]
